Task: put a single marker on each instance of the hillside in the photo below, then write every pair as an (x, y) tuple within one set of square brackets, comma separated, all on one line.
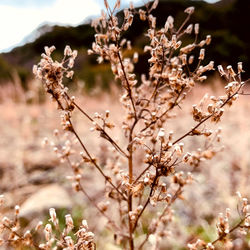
[(226, 21)]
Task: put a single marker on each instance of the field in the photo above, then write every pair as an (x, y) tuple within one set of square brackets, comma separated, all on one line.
[(159, 160), (33, 177)]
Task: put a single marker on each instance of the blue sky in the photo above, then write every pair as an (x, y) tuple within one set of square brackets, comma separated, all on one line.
[(18, 18)]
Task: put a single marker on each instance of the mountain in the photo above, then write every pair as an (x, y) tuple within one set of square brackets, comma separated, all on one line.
[(226, 21)]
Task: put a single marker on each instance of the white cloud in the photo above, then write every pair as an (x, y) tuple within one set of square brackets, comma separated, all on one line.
[(16, 23)]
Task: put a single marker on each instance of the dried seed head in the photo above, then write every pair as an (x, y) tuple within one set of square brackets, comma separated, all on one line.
[(69, 242), (39, 225), (17, 210), (189, 10), (239, 194), (170, 21), (210, 246), (48, 50), (221, 70), (190, 59), (53, 218), (189, 29), (240, 68), (48, 232), (85, 224), (196, 28), (27, 234), (202, 54), (6, 220), (155, 4), (142, 13), (231, 71), (67, 51), (135, 57), (161, 133), (1, 199), (69, 222)]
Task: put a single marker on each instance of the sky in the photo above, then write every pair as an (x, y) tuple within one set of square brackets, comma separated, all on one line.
[(18, 18)]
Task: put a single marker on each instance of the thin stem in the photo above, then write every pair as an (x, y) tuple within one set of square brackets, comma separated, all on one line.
[(130, 146), (142, 173), (178, 191), (164, 113), (93, 202), (94, 162), (130, 201), (128, 86), (104, 134), (147, 202), (124, 72), (96, 206), (81, 110), (130, 197), (208, 117), (230, 231), (20, 236), (183, 24), (154, 94)]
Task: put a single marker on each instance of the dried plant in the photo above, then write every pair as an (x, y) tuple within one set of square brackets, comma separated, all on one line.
[(145, 177)]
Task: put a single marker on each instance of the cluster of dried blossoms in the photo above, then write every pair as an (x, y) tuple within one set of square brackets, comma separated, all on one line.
[(136, 188), (224, 230), (54, 236)]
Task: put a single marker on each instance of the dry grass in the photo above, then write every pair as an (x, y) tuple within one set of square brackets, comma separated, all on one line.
[(152, 166), (23, 127)]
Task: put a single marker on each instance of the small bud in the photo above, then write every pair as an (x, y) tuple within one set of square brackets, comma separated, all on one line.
[(240, 69), (1, 199), (156, 2), (17, 209), (107, 112), (47, 232), (202, 54), (189, 10), (74, 54), (231, 71), (6, 220), (161, 134), (27, 234), (208, 39), (39, 225), (196, 29), (190, 59), (239, 194), (35, 69), (135, 57), (85, 224), (56, 132), (53, 218), (69, 221), (67, 51), (221, 70), (69, 242), (189, 29)]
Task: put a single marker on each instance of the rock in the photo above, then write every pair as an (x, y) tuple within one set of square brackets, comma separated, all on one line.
[(49, 196), (38, 177)]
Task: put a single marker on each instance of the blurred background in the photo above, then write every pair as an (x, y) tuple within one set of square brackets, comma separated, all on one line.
[(33, 177)]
